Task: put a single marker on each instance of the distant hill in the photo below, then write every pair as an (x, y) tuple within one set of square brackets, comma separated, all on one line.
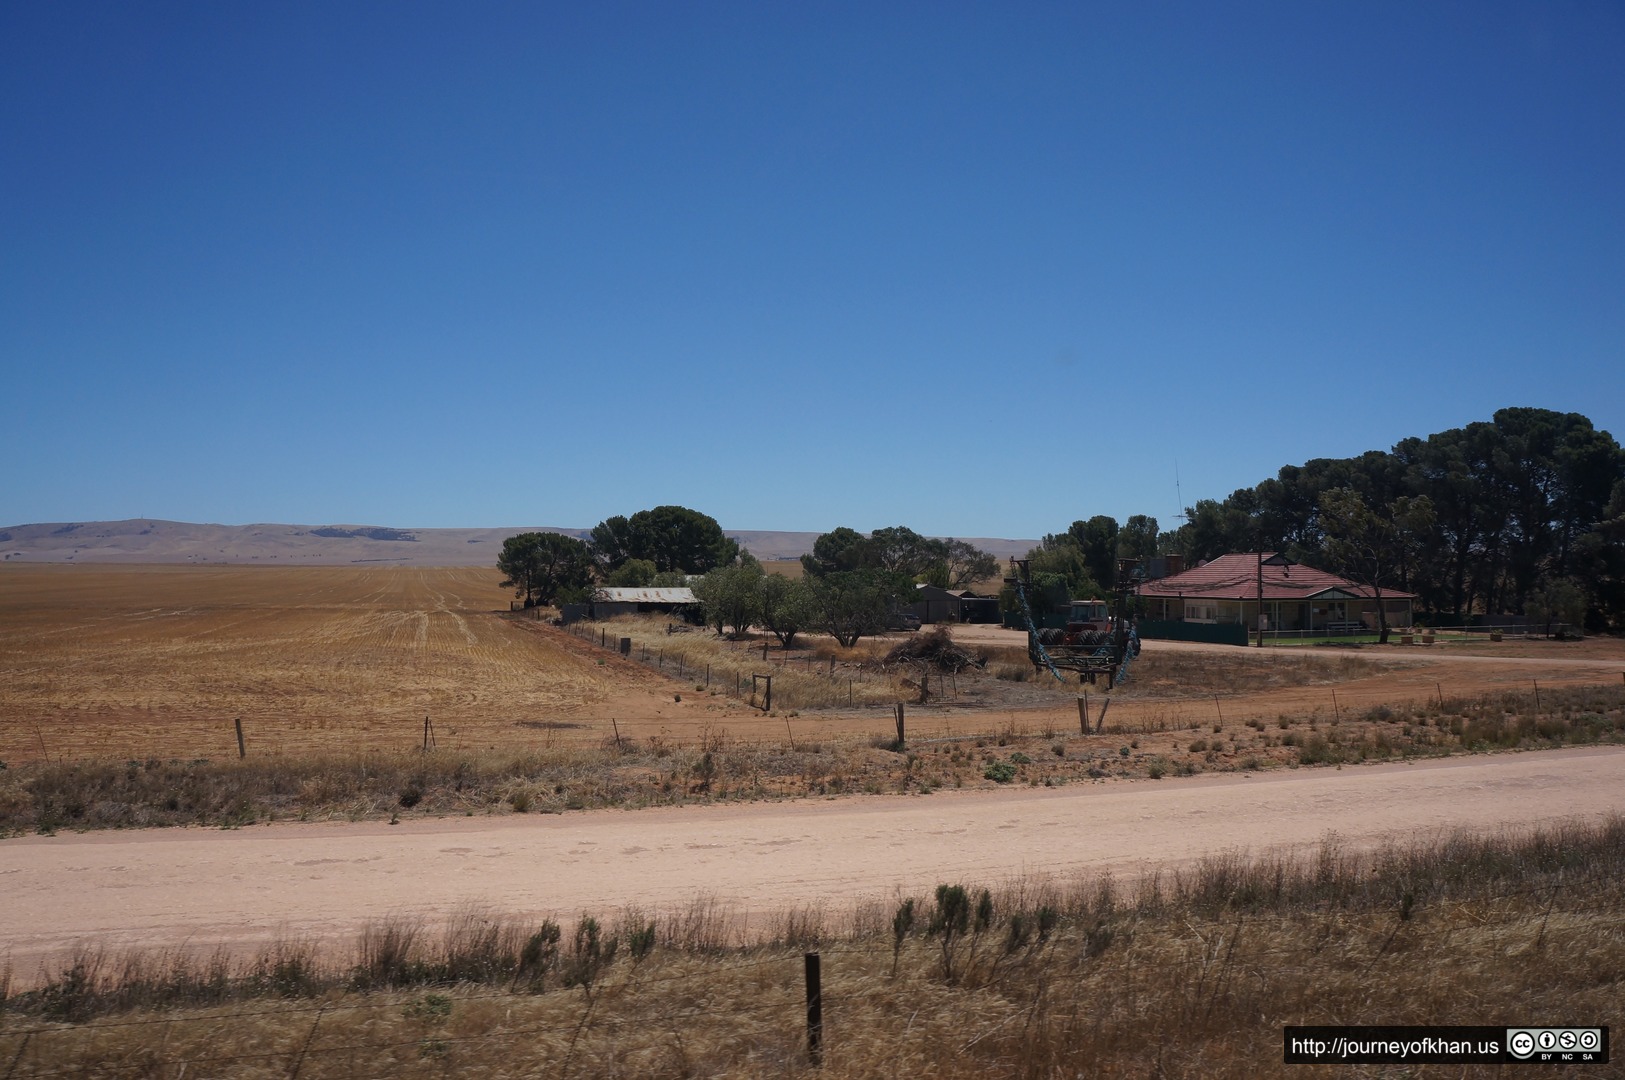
[(150, 541)]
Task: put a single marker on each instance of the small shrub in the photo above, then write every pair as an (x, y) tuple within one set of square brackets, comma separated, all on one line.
[(428, 1007), (1317, 751), (1000, 772), (640, 940), (539, 954)]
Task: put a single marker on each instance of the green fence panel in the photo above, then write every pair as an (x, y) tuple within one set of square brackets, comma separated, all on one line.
[(1217, 633), (1056, 619)]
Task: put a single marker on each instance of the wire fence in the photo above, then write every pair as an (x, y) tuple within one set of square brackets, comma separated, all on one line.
[(780, 1007), (843, 683)]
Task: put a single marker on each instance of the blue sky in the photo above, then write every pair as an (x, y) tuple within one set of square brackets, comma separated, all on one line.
[(979, 269)]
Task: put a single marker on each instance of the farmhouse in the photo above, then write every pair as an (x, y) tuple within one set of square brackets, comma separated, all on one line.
[(1225, 591)]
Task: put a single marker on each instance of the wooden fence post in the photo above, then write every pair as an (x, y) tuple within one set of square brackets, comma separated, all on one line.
[(815, 1010), (1083, 714), (242, 750), (901, 734)]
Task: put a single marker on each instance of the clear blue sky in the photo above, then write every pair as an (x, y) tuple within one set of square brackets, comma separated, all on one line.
[(979, 269)]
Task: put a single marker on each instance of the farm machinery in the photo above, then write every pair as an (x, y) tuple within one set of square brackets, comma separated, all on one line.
[(1092, 647)]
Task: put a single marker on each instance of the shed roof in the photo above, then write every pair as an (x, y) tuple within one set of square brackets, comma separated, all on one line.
[(1235, 577), (624, 595)]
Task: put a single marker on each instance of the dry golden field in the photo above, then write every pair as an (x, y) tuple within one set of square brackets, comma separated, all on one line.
[(148, 662), (157, 661)]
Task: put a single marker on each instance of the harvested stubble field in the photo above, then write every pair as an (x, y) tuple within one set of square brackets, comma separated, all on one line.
[(119, 686), (157, 662)]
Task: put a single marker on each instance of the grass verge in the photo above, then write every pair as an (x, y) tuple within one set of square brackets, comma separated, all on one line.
[(51, 796), (1191, 972)]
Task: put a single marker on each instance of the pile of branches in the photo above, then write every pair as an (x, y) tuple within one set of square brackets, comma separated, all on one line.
[(935, 650)]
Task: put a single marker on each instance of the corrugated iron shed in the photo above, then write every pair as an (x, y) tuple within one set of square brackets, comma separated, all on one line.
[(623, 595)]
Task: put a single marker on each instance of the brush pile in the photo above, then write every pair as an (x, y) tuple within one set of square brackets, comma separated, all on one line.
[(934, 650)]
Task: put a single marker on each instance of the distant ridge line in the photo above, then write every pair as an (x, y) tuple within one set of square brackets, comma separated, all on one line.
[(154, 540)]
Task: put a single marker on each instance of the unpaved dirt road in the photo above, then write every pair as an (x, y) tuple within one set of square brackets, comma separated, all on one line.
[(199, 888)]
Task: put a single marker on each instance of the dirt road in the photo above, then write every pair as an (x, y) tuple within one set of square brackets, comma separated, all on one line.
[(199, 887)]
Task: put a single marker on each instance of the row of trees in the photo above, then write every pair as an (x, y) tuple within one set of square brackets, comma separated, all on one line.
[(658, 547), (1498, 516), (851, 585), (950, 564), (1081, 563), (1523, 514)]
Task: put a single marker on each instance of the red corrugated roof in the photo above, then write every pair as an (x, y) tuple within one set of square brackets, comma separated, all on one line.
[(1235, 577)]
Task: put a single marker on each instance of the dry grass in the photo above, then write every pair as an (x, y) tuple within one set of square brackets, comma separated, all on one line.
[(817, 674), (156, 661), (820, 675), (120, 683), (1190, 973), (153, 663), (716, 767)]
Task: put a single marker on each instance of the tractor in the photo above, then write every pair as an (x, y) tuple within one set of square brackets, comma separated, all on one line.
[(1090, 646)]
